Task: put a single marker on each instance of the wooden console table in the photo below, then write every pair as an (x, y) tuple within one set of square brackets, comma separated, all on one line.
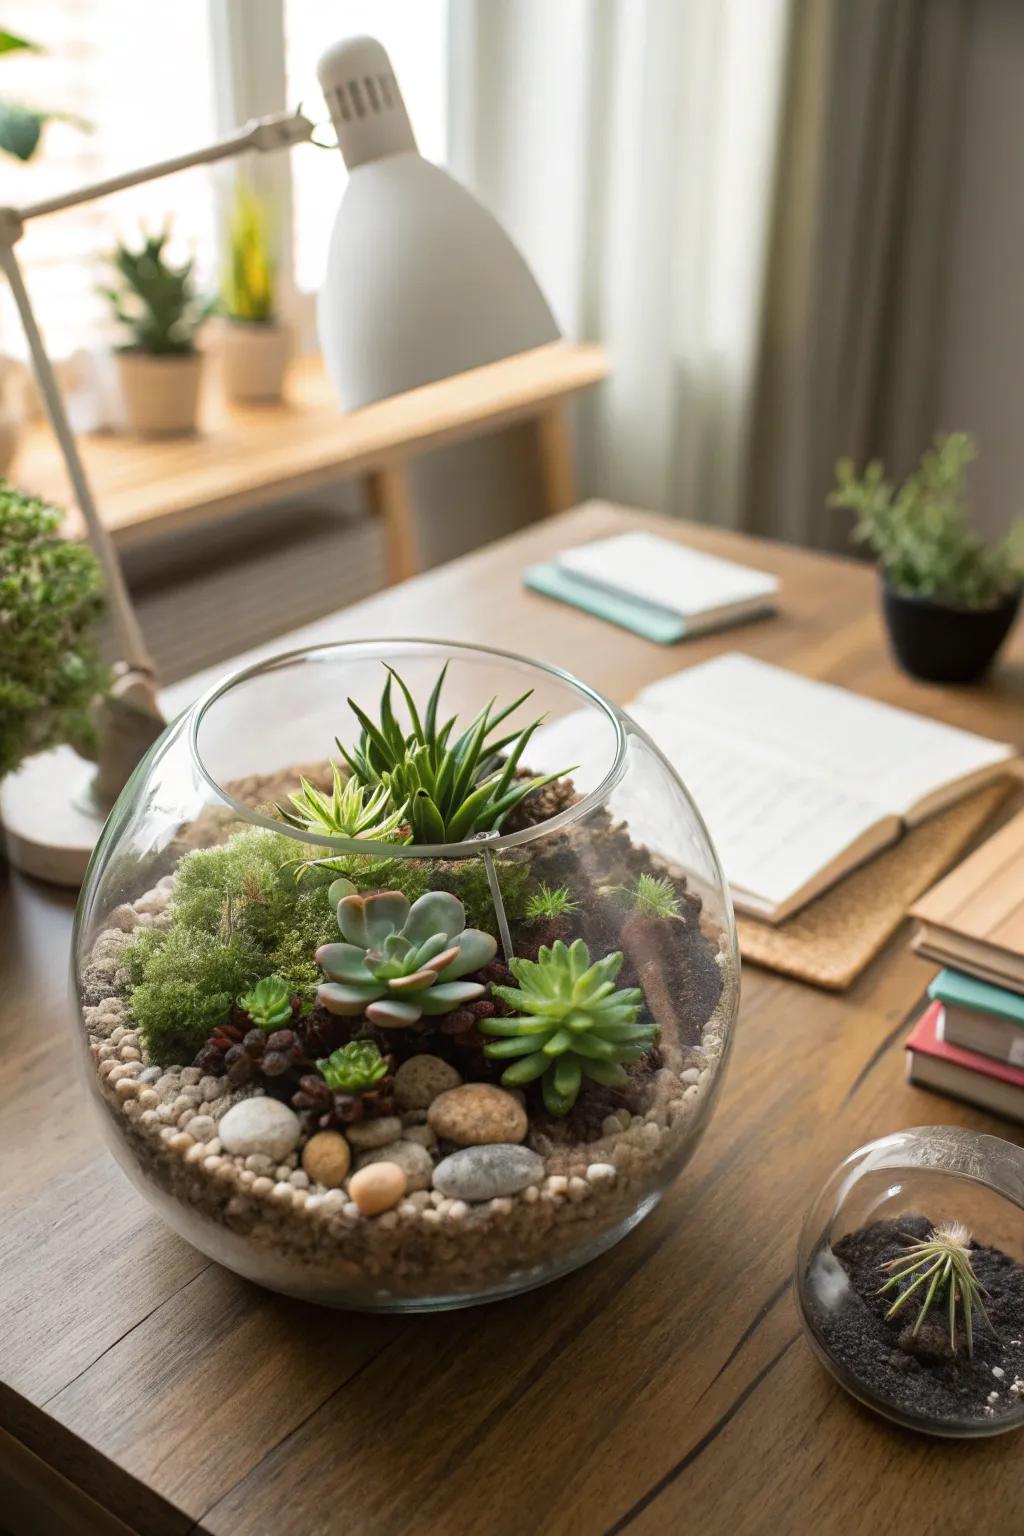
[(251, 456), (665, 1388)]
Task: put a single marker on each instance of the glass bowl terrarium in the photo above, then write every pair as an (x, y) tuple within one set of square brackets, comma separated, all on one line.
[(407, 974), (910, 1279)]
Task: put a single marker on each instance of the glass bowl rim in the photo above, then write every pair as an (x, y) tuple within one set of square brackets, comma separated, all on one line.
[(472, 847)]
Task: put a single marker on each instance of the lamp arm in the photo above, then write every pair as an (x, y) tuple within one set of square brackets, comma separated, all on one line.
[(279, 131)]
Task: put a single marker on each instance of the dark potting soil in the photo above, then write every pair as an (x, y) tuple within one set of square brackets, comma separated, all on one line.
[(922, 1376)]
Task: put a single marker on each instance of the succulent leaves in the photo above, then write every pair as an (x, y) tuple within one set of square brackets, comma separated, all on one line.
[(449, 790), (351, 809), (268, 1003), (571, 1024), (941, 1263), (356, 1068), (398, 962)]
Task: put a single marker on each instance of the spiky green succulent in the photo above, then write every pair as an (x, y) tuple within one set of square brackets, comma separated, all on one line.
[(351, 809), (941, 1262), (268, 1003), (355, 1068), (571, 1024), (548, 901), (450, 790), (653, 896), (399, 962)]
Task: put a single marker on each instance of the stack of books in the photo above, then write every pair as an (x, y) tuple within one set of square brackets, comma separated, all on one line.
[(970, 1042)]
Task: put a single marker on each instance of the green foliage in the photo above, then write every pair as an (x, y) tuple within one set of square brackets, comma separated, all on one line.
[(410, 876), (942, 1261), (157, 303), (546, 901), (398, 962), (572, 1024), (467, 879), (268, 1003), (921, 532), (21, 127), (448, 792), (237, 915), (350, 810), (653, 896), (249, 279), (51, 596), (356, 1068)]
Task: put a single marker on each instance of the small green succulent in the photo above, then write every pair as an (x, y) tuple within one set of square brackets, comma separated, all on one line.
[(943, 1260), (356, 1068), (547, 901), (399, 962), (350, 810), (268, 1003), (572, 1024), (448, 790)]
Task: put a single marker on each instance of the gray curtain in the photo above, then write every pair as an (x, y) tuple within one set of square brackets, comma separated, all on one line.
[(854, 288)]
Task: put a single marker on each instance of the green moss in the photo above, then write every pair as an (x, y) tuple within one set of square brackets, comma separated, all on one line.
[(189, 985)]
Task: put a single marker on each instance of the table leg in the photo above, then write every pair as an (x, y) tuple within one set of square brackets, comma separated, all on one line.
[(392, 504), (556, 466)]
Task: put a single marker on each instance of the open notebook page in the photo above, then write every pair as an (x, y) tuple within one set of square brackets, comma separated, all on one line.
[(775, 828), (904, 764)]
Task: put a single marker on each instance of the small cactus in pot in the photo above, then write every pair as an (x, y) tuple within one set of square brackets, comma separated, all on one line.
[(400, 962)]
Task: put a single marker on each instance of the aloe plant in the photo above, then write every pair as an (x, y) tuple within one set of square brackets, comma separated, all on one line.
[(351, 809), (571, 1024), (941, 1262), (450, 790), (249, 280), (157, 303), (398, 962)]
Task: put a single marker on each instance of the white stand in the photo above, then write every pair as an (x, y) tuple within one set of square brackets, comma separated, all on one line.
[(49, 831)]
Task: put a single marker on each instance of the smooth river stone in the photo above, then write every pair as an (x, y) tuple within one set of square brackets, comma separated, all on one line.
[(484, 1173), (421, 1079), (476, 1114), (260, 1125), (415, 1162)]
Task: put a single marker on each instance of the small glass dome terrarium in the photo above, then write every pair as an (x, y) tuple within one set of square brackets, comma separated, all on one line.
[(910, 1279), (407, 974)]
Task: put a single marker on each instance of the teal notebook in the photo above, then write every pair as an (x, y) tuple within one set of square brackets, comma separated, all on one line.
[(643, 618), (955, 990)]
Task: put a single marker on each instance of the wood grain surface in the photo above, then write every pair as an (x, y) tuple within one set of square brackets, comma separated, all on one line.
[(666, 1388)]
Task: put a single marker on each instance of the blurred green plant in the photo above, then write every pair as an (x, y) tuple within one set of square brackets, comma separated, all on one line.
[(51, 597), (21, 127), (157, 303), (920, 531), (249, 279)]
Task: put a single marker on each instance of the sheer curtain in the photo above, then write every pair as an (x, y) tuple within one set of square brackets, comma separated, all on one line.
[(629, 147)]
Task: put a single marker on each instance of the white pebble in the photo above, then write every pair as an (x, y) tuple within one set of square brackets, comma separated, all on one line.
[(998, 1372), (690, 1075)]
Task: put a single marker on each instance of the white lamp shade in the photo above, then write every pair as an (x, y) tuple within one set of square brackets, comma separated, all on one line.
[(421, 281)]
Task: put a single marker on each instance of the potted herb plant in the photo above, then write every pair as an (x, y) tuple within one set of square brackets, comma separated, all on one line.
[(255, 343), (949, 597), (159, 367), (51, 596)]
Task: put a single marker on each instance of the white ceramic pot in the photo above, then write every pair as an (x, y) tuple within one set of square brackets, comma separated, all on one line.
[(159, 395), (254, 357)]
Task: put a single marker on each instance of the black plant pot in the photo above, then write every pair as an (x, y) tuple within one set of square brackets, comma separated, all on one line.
[(941, 644)]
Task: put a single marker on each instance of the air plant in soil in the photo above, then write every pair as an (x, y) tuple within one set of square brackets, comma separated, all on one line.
[(350, 1084), (548, 902), (449, 789), (351, 809), (652, 896), (399, 962), (941, 1265), (571, 1024)]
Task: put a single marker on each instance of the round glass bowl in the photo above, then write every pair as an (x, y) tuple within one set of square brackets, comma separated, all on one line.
[(881, 1199), (198, 891)]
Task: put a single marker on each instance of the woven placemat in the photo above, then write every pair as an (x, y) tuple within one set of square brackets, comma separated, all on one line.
[(832, 939)]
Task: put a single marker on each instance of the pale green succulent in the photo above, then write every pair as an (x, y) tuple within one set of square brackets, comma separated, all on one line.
[(268, 1003), (399, 962), (350, 810), (572, 1024)]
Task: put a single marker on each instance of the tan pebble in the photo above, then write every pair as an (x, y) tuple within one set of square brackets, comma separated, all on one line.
[(477, 1114), (227, 1173), (579, 1189), (180, 1141), (421, 1079), (259, 1162), (148, 1098), (313, 1202), (326, 1159), (420, 1199), (133, 1109), (299, 1198), (130, 1053), (690, 1075), (117, 1034), (366, 1134), (601, 1174), (692, 1094), (262, 1185), (150, 1117), (299, 1178), (556, 1184), (611, 1125), (430, 1217), (500, 1206), (212, 1162), (414, 1117), (458, 1210), (334, 1201), (195, 1153), (210, 1087), (164, 1113), (190, 1075), (214, 1145), (407, 1209), (281, 1194), (388, 1221), (246, 1177), (531, 1194), (126, 1088), (117, 1072), (377, 1187)]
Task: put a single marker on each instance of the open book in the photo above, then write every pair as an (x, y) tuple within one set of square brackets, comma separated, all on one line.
[(798, 781)]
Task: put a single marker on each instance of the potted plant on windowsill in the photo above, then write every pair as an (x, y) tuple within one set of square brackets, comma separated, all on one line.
[(255, 343), (159, 368), (949, 597)]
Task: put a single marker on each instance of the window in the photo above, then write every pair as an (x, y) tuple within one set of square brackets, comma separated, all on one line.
[(414, 32), (147, 96)]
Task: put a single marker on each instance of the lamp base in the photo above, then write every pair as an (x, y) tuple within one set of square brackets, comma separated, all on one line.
[(49, 828)]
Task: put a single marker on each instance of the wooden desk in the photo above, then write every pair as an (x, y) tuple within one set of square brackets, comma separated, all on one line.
[(666, 1388), (251, 456)]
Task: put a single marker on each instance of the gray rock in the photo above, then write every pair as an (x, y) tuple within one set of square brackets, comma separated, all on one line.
[(260, 1125), (415, 1162), (484, 1173), (364, 1134)]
